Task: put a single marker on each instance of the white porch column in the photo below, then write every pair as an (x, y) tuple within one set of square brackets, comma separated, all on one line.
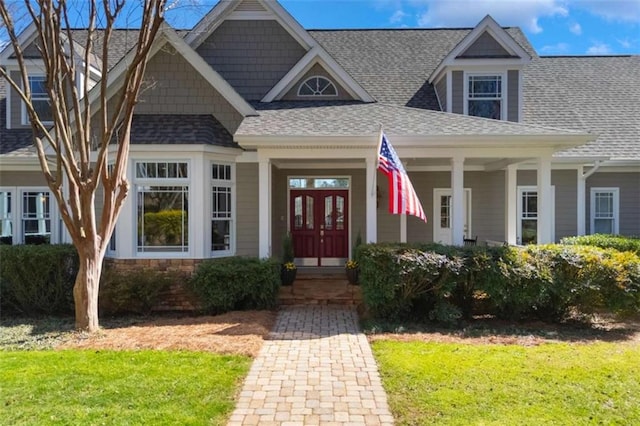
[(264, 207), (511, 204), (371, 204), (457, 200), (581, 202), (403, 228), (200, 244), (545, 212)]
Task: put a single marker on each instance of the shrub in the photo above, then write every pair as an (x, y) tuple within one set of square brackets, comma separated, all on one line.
[(38, 279), (234, 283), (617, 242), (135, 292), (400, 281)]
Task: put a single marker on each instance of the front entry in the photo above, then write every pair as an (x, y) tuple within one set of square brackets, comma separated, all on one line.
[(319, 226), (442, 215)]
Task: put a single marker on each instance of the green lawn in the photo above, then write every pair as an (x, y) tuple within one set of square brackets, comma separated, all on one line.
[(123, 387), (556, 383)]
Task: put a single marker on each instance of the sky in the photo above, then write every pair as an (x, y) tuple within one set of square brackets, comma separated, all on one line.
[(554, 27)]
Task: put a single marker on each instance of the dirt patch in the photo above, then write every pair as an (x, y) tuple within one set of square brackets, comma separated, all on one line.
[(239, 333), (483, 332)]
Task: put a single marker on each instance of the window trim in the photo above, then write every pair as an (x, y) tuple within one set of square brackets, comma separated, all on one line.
[(24, 116), (13, 216), (331, 83), (486, 73), (17, 194), (231, 183), (616, 207), (137, 182)]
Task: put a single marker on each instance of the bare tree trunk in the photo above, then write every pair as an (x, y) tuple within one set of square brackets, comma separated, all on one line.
[(85, 290)]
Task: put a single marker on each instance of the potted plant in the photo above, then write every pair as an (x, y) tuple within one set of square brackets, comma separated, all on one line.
[(289, 269), (351, 267)]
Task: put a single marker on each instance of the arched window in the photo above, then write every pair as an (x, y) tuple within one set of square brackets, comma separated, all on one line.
[(317, 86)]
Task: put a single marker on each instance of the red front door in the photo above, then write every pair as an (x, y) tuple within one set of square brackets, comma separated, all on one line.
[(319, 226)]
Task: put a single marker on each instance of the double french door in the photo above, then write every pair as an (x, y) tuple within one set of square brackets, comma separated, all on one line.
[(319, 226)]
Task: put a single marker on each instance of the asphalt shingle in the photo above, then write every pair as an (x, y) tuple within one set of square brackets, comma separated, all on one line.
[(180, 129)]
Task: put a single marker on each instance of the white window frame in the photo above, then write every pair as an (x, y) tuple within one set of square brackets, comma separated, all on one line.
[(25, 116), (232, 226), (488, 73), (533, 188), (319, 95), (187, 182), (16, 217), (13, 215), (616, 207)]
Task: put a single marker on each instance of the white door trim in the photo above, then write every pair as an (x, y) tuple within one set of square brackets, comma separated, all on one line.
[(468, 231), (534, 188)]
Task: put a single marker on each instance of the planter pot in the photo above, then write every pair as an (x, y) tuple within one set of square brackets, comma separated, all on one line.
[(353, 275), (288, 276)]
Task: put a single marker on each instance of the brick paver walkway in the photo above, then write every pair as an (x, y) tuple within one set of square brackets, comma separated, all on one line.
[(316, 368)]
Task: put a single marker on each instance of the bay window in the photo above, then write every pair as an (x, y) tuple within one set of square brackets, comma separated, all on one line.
[(221, 208)]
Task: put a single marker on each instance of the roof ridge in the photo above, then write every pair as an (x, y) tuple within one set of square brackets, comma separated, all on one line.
[(401, 29), (630, 55)]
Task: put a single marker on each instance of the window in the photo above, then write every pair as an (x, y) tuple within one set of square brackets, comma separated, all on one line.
[(484, 96), (163, 207), (317, 86), (39, 99), (36, 217), (6, 217), (528, 214), (604, 210), (221, 208)]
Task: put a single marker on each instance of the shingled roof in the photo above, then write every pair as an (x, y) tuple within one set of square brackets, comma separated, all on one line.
[(361, 119), (394, 65), (180, 129), (597, 94)]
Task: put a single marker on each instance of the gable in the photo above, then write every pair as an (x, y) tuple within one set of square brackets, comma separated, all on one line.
[(174, 86), (485, 46), (252, 55), (317, 70)]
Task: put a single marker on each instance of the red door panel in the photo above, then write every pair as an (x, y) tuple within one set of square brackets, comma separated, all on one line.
[(319, 225)]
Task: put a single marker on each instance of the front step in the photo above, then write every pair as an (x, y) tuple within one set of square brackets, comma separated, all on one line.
[(320, 288)]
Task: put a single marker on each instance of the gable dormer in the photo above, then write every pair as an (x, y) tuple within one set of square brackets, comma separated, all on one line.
[(482, 75), (262, 51)]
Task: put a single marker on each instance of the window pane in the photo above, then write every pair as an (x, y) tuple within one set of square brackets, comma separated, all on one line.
[(43, 109), (603, 226), (445, 209), (6, 218), (604, 205), (328, 212), (485, 86), (339, 213), (36, 217), (485, 108), (221, 199), (220, 235), (529, 231), (297, 211), (309, 212), (161, 170), (163, 219), (317, 86)]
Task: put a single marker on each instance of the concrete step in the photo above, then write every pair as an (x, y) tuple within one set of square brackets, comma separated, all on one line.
[(320, 291)]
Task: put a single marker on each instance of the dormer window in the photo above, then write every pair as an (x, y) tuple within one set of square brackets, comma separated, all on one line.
[(485, 96), (39, 99), (317, 86)]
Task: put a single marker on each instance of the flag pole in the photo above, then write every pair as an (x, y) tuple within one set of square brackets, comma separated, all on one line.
[(373, 187)]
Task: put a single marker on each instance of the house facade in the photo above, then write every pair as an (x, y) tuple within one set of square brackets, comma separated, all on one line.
[(252, 127)]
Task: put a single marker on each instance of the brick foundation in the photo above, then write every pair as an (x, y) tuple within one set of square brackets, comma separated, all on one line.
[(177, 297)]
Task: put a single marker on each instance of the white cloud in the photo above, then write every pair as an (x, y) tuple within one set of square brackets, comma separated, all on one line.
[(555, 49), (625, 42), (398, 16), (599, 48), (612, 10), (575, 28), (467, 13)]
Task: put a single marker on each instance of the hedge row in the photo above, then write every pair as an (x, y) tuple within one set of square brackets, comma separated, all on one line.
[(445, 283), (617, 242), (37, 279)]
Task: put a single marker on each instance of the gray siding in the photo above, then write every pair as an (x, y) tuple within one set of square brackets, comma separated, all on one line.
[(317, 69), (485, 46), (22, 179), (175, 87), (247, 212), (487, 204), (566, 197), (424, 183), (457, 92), (512, 95), (629, 184), (251, 55), (16, 104), (441, 91)]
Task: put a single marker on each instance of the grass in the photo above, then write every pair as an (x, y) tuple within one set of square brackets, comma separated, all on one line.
[(124, 387), (555, 383)]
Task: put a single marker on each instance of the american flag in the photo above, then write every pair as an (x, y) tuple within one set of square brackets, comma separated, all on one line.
[(402, 196)]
